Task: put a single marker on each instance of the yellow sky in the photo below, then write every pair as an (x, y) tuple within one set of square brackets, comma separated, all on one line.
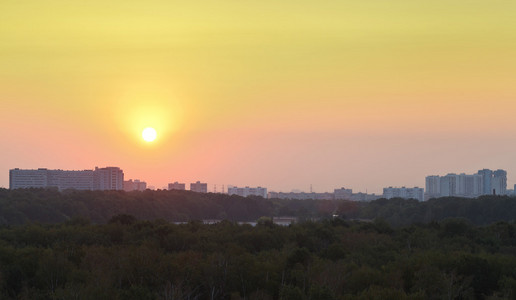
[(362, 94)]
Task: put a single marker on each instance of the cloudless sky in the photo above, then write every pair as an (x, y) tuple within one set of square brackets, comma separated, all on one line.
[(282, 94)]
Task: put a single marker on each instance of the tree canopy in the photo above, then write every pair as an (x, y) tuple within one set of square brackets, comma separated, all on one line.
[(22, 206)]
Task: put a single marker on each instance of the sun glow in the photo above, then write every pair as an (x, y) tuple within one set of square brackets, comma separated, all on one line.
[(147, 103), (149, 134)]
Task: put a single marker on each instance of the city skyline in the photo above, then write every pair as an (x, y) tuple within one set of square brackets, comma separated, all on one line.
[(484, 182), (283, 95)]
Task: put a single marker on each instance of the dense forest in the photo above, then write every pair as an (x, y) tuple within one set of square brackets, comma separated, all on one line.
[(118, 245), (329, 259), (48, 206)]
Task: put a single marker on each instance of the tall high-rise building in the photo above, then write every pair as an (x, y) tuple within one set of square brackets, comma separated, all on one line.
[(499, 182), (176, 186), (109, 178), (485, 182), (98, 179), (449, 185), (432, 187), (471, 185), (487, 175), (462, 185), (199, 187)]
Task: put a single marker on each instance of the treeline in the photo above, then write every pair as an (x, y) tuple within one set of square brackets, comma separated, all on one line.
[(399, 212), (332, 259), (51, 206)]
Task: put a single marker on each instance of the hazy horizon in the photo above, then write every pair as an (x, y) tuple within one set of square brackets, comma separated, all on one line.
[(354, 94)]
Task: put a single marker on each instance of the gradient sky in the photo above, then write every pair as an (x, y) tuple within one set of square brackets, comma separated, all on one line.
[(282, 94)]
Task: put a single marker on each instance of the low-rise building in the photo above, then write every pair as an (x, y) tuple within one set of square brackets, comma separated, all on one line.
[(301, 196), (199, 187), (176, 186), (404, 192), (343, 194), (364, 197), (248, 191), (136, 185), (109, 178)]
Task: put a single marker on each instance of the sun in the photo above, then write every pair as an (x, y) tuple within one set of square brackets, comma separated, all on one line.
[(149, 134)]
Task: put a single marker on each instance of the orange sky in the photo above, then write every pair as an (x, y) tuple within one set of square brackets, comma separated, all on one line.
[(360, 94)]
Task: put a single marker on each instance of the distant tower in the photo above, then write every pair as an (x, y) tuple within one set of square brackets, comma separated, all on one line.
[(499, 182), (311, 188), (222, 189), (215, 188), (487, 175)]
